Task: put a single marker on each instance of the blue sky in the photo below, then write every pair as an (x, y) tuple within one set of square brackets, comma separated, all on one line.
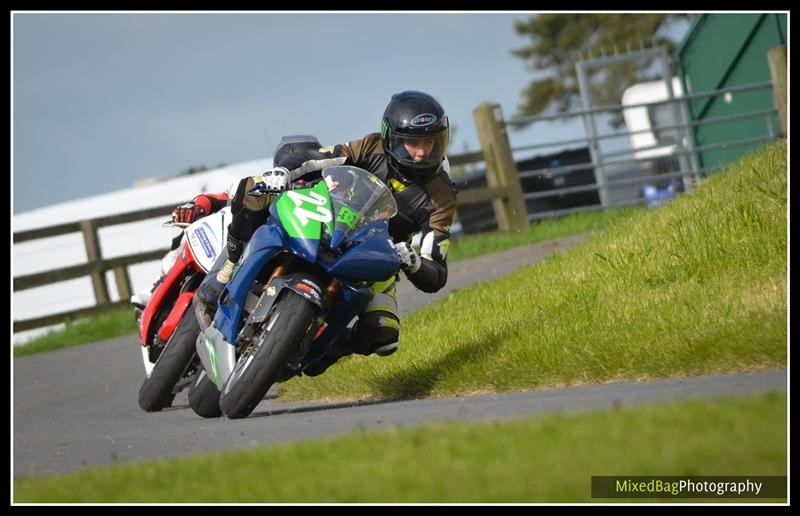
[(104, 100)]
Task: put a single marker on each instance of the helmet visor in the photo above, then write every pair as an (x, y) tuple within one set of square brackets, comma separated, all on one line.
[(418, 151)]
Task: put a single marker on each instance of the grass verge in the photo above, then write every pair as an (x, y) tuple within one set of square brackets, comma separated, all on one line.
[(547, 459), (120, 322), (105, 326), (695, 287)]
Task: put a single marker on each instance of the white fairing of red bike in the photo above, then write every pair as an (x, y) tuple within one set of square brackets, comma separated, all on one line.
[(207, 237), (148, 365)]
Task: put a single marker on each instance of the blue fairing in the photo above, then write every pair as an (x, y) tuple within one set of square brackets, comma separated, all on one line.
[(354, 301), (372, 258), (265, 243), (304, 248)]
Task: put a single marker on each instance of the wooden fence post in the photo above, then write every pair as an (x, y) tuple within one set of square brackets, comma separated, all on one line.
[(501, 171), (123, 282), (95, 265), (777, 70), (94, 256)]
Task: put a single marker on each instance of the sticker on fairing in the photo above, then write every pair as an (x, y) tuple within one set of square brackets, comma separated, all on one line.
[(212, 356), (348, 217), (302, 212), (205, 243)]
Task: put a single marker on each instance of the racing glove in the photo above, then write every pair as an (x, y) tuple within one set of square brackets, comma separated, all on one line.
[(187, 213), (409, 259), (276, 179)]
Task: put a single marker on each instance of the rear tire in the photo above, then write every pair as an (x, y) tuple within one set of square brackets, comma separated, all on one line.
[(255, 372), (204, 396), (156, 390)]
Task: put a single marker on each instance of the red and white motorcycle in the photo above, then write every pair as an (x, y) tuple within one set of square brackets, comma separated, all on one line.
[(167, 326)]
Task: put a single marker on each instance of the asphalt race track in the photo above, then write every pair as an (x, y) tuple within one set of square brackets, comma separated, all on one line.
[(76, 408)]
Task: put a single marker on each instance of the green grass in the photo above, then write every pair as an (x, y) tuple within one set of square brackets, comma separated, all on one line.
[(650, 281), (695, 287), (105, 326), (120, 322), (550, 458), (485, 243)]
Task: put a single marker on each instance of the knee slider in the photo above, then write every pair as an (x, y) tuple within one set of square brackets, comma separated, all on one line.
[(375, 332)]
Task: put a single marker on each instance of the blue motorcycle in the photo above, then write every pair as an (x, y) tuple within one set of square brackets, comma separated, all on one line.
[(303, 277)]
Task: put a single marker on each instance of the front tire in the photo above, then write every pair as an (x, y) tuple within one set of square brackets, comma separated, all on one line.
[(257, 369), (204, 396), (156, 390)]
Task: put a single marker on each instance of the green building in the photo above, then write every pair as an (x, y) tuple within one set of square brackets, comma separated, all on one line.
[(721, 51)]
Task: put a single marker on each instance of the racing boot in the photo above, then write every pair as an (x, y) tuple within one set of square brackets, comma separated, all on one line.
[(140, 300), (212, 286), (340, 348)]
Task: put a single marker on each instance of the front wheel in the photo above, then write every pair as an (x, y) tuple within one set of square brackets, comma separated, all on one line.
[(204, 396), (257, 368), (157, 390)]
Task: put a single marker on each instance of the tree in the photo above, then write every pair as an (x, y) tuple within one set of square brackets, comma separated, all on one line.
[(559, 40)]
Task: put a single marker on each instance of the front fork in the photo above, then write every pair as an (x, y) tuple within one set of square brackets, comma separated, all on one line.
[(219, 356)]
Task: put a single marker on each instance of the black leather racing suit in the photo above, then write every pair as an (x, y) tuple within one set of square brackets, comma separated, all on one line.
[(425, 206)]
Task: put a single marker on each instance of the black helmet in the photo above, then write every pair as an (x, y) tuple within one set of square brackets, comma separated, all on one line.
[(294, 143), (413, 115)]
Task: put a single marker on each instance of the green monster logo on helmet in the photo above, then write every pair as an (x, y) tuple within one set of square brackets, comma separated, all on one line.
[(384, 129)]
